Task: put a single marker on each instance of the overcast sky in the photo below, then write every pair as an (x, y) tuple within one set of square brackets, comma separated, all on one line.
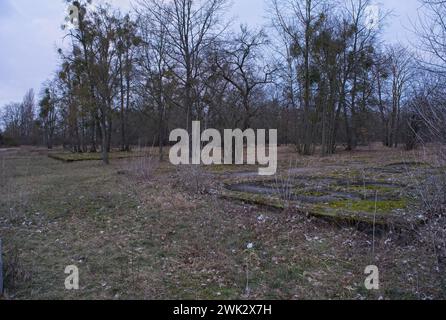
[(30, 34)]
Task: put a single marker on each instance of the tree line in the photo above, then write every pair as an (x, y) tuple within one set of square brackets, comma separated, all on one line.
[(319, 72)]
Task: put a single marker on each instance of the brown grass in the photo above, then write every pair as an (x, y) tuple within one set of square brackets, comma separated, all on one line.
[(155, 239)]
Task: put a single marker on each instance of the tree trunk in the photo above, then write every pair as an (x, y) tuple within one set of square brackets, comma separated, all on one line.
[(348, 131), (121, 87), (105, 134), (93, 148), (104, 148), (161, 138)]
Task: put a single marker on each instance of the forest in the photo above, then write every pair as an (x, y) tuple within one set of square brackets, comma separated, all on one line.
[(319, 72)]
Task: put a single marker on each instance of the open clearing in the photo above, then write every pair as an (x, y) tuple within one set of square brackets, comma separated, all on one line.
[(182, 233)]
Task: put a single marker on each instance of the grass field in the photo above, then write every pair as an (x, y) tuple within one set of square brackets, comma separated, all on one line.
[(147, 230)]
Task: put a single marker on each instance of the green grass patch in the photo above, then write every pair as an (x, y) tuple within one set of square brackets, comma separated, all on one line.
[(368, 206)]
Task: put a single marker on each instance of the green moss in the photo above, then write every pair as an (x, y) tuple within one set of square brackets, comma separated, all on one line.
[(376, 188), (221, 168), (344, 174), (314, 194), (369, 206), (373, 188), (408, 164), (261, 200)]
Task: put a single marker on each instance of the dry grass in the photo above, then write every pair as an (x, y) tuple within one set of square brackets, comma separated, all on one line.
[(87, 156), (133, 238)]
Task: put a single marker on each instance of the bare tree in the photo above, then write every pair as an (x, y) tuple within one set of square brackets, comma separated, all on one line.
[(241, 65), (401, 70), (300, 25), (105, 70), (11, 119), (431, 30), (48, 113), (156, 78), (127, 41), (192, 26), (361, 41), (27, 117)]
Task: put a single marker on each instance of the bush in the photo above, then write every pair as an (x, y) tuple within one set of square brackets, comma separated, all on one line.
[(193, 178), (8, 142), (143, 166), (432, 234)]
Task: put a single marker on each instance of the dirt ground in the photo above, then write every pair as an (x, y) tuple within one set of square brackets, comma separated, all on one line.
[(139, 229)]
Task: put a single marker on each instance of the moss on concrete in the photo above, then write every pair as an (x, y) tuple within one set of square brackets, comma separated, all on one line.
[(369, 206)]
